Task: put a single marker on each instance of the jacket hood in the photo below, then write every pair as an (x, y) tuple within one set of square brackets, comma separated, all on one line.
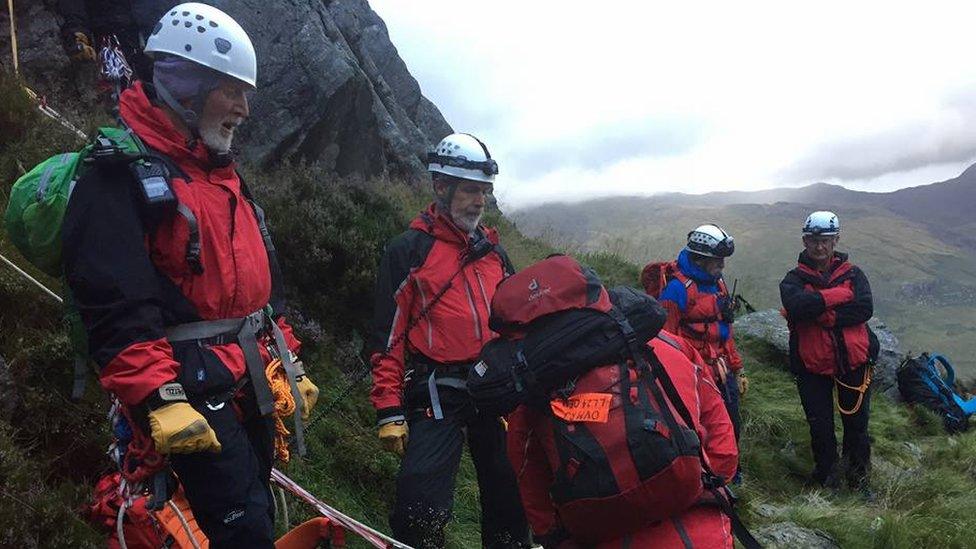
[(154, 127), (433, 222), (690, 269), (839, 265)]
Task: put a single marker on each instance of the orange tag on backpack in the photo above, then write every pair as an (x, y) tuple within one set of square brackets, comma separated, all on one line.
[(592, 407)]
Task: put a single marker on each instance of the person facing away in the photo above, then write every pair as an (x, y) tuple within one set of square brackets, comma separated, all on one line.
[(433, 300), (143, 269), (533, 451), (700, 310), (827, 303)]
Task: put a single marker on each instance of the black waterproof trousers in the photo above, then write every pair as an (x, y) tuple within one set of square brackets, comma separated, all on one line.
[(425, 484), (817, 397), (229, 491)]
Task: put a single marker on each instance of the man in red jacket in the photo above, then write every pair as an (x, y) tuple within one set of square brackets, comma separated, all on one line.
[(433, 300), (174, 274), (827, 303), (704, 525)]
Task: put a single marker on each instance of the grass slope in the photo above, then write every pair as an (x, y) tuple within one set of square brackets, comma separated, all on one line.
[(923, 479)]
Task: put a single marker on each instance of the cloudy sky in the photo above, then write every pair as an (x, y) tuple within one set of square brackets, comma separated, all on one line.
[(579, 99)]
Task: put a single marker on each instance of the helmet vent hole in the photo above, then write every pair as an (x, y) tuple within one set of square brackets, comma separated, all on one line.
[(186, 14), (172, 12), (213, 24), (222, 45), (187, 47), (176, 22), (199, 17), (187, 24), (201, 29), (157, 28)]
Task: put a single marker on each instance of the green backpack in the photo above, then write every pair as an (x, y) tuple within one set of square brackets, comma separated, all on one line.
[(39, 198), (35, 213)]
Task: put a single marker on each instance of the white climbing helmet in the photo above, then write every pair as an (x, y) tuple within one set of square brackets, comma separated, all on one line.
[(205, 35), (822, 223), (464, 156), (710, 240)]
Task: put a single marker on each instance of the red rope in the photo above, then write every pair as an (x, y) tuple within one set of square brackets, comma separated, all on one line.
[(141, 460)]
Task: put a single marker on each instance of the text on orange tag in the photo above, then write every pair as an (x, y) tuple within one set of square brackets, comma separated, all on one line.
[(594, 407)]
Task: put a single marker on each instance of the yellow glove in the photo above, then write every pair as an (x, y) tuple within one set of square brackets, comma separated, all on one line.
[(743, 382), (393, 435), (179, 429), (83, 51), (310, 395)]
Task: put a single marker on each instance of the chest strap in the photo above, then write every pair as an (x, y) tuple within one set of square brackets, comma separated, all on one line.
[(244, 331)]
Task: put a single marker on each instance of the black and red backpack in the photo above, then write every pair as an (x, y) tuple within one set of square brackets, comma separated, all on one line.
[(620, 441)]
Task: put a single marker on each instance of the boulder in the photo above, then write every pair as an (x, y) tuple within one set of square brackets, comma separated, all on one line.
[(788, 535), (770, 326), (331, 87)]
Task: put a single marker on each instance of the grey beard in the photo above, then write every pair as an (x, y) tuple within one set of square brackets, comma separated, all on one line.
[(210, 134), (467, 223)]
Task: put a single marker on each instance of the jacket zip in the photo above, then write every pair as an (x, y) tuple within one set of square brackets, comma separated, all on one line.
[(430, 328), (474, 310), (484, 294), (233, 253)]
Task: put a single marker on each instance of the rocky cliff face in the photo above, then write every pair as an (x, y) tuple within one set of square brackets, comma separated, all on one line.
[(331, 86)]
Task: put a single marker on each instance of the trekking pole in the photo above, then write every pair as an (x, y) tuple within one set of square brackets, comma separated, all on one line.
[(32, 279)]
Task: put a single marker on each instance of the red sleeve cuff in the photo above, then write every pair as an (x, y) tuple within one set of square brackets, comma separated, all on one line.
[(139, 370), (837, 296)]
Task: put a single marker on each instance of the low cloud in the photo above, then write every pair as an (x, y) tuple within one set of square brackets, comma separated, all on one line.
[(945, 138), (605, 146)]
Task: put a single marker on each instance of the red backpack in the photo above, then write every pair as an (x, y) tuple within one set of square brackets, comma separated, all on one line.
[(619, 439), (656, 276)]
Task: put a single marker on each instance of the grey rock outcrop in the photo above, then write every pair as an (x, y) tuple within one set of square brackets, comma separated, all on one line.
[(787, 535), (770, 326), (331, 85)]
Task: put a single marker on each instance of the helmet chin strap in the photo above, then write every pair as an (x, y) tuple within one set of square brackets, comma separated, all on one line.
[(189, 116)]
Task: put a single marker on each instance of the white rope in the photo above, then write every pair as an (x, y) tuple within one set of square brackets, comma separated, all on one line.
[(119, 530), (32, 279), (375, 537), (184, 522), (54, 115), (284, 507)]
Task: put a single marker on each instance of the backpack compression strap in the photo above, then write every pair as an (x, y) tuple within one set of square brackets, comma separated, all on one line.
[(713, 483)]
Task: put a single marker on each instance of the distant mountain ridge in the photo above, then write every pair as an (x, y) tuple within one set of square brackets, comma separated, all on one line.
[(918, 245), (945, 206)]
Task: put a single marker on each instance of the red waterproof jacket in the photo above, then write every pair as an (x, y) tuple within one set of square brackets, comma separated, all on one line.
[(693, 301), (415, 267), (129, 274), (704, 526), (827, 315)]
